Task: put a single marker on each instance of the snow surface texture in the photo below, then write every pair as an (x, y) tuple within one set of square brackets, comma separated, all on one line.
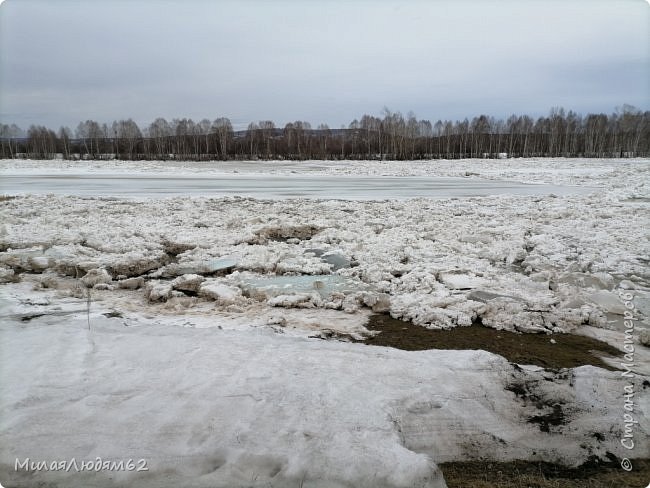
[(226, 407), (216, 380)]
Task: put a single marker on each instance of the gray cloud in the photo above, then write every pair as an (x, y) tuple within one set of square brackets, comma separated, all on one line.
[(322, 61)]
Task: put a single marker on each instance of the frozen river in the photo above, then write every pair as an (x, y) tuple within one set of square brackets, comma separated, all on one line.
[(245, 296), (270, 186)]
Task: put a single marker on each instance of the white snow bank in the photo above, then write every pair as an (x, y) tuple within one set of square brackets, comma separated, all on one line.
[(230, 408)]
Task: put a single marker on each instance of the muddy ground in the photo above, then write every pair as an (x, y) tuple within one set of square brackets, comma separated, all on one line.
[(524, 474), (548, 351)]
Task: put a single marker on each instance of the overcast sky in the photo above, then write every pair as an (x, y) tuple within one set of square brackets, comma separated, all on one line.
[(63, 61)]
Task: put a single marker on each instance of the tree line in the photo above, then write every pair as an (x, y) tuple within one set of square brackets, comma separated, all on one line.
[(624, 133)]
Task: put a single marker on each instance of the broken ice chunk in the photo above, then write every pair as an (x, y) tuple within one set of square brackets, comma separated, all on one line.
[(6, 274), (205, 267), (31, 259), (608, 301), (158, 291), (337, 260), (131, 283), (220, 292), (460, 281), (298, 300), (265, 287), (95, 276), (485, 296), (39, 263), (188, 282)]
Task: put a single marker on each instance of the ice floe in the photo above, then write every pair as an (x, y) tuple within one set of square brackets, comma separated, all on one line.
[(557, 258)]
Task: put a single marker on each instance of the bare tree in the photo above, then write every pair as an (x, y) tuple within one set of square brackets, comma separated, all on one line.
[(223, 128), (267, 132), (160, 132), (65, 134), (128, 134)]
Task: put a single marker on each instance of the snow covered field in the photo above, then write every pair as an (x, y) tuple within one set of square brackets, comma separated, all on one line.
[(205, 353)]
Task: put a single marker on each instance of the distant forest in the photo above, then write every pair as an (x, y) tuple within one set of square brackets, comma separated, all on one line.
[(624, 133)]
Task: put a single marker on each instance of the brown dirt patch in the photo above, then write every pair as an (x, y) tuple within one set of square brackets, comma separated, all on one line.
[(525, 474), (568, 351)]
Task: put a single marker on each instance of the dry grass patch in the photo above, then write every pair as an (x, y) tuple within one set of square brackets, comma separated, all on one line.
[(523, 474)]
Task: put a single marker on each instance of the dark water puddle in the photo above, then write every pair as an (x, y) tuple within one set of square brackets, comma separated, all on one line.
[(568, 351)]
